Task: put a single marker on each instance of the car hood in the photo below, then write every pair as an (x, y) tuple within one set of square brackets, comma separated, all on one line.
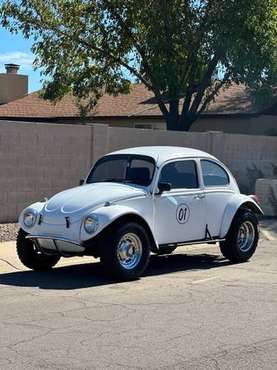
[(76, 202)]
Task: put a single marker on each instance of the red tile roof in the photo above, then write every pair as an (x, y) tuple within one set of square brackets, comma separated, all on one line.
[(139, 102)]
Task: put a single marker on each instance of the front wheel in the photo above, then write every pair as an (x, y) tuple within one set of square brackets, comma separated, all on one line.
[(242, 238), (125, 253), (31, 257)]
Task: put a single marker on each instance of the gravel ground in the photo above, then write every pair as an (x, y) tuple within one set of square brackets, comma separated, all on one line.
[(8, 232)]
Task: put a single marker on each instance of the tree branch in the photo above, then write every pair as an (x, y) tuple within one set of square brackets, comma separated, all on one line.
[(187, 102), (37, 24), (145, 64), (210, 97), (205, 83)]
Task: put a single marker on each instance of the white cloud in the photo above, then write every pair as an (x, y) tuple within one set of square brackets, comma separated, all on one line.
[(25, 60)]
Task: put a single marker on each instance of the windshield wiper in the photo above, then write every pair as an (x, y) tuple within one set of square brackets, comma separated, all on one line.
[(112, 180), (121, 181)]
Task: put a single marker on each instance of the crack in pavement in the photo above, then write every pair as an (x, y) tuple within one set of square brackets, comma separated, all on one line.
[(10, 264)]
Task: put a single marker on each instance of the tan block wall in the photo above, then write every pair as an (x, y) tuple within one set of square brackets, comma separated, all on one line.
[(38, 160), (266, 190), (249, 157)]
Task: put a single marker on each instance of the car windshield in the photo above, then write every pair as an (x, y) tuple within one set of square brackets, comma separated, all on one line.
[(133, 169)]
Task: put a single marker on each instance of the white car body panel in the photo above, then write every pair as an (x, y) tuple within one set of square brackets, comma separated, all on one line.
[(216, 201), (189, 207), (109, 214), (77, 202), (62, 216), (162, 154), (234, 204)]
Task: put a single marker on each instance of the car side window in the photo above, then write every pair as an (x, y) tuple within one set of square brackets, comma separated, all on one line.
[(180, 174), (214, 174)]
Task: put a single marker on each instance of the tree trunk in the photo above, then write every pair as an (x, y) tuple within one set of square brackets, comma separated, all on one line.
[(177, 122), (172, 117)]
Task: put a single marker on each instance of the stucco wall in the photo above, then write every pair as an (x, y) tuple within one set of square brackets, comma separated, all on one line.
[(38, 160)]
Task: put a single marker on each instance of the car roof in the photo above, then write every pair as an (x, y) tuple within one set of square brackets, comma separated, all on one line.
[(165, 153)]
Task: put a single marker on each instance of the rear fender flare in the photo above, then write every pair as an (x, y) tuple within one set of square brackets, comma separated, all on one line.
[(237, 203)]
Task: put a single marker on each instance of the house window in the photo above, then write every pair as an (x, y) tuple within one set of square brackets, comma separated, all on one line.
[(144, 125)]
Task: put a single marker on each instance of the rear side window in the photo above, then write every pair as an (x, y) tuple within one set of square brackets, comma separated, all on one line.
[(180, 174), (213, 174)]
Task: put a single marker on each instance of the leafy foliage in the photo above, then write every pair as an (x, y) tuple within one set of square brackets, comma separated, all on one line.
[(184, 51)]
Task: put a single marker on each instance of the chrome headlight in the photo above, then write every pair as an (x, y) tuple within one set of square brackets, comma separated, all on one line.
[(29, 218), (91, 224)]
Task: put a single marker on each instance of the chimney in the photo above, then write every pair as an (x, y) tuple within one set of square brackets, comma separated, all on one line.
[(12, 85), (12, 68)]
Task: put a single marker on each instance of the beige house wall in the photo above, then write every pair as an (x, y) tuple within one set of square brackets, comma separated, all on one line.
[(261, 125), (38, 160)]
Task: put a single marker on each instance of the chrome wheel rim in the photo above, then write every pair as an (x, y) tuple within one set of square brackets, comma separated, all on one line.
[(246, 236), (129, 251)]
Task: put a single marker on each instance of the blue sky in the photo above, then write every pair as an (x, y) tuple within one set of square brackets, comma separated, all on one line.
[(16, 49)]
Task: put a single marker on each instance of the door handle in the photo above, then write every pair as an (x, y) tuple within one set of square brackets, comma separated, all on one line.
[(199, 196)]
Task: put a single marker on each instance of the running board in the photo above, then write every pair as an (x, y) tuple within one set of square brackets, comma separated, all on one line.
[(197, 242), (209, 241)]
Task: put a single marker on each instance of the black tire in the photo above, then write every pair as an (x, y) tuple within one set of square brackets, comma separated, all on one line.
[(231, 248), (30, 257), (109, 254), (165, 250)]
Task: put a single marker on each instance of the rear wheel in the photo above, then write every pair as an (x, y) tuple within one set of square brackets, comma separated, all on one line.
[(31, 257), (125, 253), (242, 238)]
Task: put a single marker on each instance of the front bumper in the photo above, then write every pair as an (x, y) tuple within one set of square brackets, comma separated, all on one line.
[(56, 244)]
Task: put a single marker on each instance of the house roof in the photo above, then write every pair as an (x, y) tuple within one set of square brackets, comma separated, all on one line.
[(139, 103)]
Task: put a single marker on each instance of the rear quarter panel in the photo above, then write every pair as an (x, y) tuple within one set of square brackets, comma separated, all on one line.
[(236, 201)]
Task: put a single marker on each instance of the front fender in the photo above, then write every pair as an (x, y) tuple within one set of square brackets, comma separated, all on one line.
[(233, 206), (36, 207), (107, 215)]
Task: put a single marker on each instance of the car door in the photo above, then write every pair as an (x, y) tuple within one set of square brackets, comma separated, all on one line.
[(179, 213), (218, 193)]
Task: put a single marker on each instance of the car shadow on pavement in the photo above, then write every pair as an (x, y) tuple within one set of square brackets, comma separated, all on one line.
[(88, 275)]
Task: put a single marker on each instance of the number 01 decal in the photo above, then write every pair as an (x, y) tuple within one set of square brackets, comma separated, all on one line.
[(182, 213)]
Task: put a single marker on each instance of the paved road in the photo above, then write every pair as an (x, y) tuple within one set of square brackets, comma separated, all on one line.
[(192, 310)]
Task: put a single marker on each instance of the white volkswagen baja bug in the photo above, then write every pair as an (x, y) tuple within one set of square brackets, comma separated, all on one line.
[(137, 201)]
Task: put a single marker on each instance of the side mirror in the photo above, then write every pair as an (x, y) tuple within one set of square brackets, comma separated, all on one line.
[(81, 182), (164, 186)]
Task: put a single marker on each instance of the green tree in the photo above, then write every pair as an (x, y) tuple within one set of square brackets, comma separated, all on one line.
[(184, 51)]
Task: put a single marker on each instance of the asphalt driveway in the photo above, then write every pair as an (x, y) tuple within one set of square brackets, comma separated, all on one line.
[(192, 310)]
